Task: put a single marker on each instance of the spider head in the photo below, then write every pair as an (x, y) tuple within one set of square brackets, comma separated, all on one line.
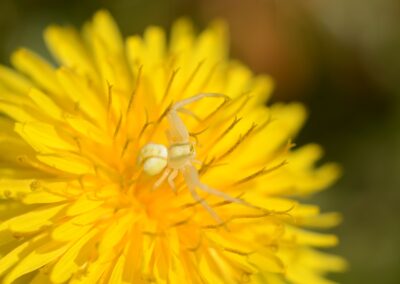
[(181, 152)]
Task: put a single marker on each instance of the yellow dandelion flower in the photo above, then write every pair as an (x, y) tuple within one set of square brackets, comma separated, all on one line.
[(93, 190)]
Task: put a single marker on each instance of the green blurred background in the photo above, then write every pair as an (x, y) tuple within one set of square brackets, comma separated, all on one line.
[(341, 58)]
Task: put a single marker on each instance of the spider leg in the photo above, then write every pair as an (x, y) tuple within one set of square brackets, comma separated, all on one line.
[(215, 192), (171, 178), (192, 188), (195, 98), (189, 112), (204, 204), (197, 162), (223, 195), (163, 177), (177, 131)]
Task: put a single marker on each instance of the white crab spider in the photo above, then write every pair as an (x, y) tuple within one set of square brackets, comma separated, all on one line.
[(179, 157)]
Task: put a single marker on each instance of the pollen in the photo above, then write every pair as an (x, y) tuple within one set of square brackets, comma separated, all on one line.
[(86, 141)]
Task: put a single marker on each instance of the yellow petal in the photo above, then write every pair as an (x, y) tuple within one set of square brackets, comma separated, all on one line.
[(181, 36), (16, 112), (286, 122), (271, 204), (267, 261), (148, 246), (135, 51), (68, 163), (211, 44), (116, 232), (66, 265), (41, 278), (37, 68), (6, 238), (231, 243), (13, 98), (12, 257), (117, 275), (83, 94), (241, 262), (87, 129), (309, 238), (238, 81), (68, 230), (67, 47), (43, 137), (42, 197), (261, 88), (177, 273), (322, 261), (15, 188), (326, 220), (39, 257), (95, 270), (270, 278), (10, 209), (34, 220), (45, 104), (305, 211), (11, 148), (82, 205), (14, 81), (210, 271), (154, 38), (307, 276), (108, 50), (105, 27)]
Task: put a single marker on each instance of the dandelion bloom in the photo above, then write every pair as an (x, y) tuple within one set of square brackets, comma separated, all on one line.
[(76, 206)]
